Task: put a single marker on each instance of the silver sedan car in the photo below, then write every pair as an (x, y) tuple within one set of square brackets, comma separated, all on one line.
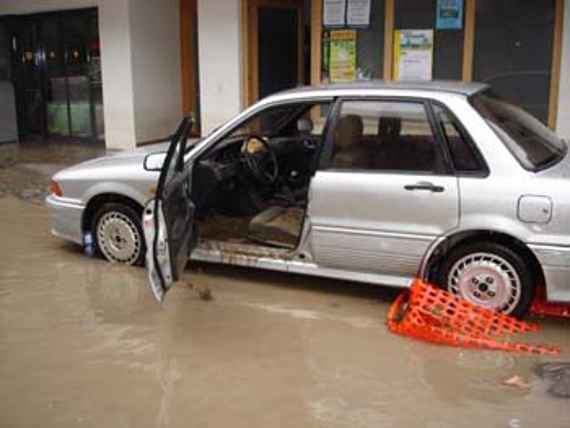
[(374, 182)]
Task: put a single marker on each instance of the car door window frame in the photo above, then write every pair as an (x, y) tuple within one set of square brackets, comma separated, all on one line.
[(176, 148), (324, 136), (327, 152), (214, 137), (255, 113), (483, 171)]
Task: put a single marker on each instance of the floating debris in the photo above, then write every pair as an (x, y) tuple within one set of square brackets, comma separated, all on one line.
[(517, 382), (558, 375), (203, 292)]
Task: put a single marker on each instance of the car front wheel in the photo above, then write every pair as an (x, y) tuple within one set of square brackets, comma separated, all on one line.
[(490, 275), (118, 234)]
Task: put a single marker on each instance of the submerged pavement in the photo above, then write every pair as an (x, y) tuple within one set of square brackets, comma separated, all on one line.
[(83, 343)]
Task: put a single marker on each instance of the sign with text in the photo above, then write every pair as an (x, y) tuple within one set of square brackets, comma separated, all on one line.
[(358, 13), (334, 13), (342, 55), (413, 54), (449, 15)]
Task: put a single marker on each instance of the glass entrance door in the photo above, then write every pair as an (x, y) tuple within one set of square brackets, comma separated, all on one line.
[(78, 55), (55, 82), (26, 61), (58, 75)]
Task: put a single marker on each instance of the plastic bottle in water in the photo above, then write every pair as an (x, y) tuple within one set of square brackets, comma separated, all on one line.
[(88, 245)]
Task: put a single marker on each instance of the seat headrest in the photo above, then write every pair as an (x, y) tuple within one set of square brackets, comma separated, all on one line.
[(305, 125), (348, 130), (389, 128)]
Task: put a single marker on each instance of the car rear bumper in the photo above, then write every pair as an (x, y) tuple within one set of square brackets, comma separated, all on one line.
[(555, 262), (66, 215)]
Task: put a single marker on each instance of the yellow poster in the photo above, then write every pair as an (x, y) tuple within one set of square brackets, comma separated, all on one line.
[(342, 56)]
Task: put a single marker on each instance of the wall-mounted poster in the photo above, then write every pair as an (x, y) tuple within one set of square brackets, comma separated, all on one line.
[(342, 55), (449, 15), (413, 54), (334, 13), (358, 13)]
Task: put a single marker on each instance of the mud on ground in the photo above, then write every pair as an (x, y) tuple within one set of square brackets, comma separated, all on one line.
[(83, 343), (26, 168)]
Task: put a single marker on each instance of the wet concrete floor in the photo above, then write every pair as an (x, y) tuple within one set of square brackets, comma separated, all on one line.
[(82, 343), (25, 168)]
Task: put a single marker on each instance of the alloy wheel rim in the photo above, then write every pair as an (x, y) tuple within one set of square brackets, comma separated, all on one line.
[(118, 238), (487, 280)]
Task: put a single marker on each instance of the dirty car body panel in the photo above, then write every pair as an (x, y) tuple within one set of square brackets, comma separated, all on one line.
[(386, 227), (121, 174)]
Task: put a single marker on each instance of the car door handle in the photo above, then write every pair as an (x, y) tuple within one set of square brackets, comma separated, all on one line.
[(423, 185)]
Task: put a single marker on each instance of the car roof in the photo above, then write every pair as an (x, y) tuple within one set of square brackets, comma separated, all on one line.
[(450, 86)]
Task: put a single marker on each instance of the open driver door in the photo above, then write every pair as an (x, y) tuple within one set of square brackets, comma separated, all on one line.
[(168, 218)]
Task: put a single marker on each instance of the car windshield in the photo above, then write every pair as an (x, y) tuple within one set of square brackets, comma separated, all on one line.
[(534, 145)]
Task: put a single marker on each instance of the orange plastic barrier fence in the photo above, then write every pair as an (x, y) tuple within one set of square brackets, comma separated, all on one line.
[(543, 308), (435, 315)]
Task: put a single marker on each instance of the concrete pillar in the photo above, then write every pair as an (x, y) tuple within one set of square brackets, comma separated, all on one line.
[(140, 60), (219, 54), (155, 56), (117, 74), (563, 118)]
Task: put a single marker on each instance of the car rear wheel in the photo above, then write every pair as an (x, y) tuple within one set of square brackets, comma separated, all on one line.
[(118, 234), (490, 275)]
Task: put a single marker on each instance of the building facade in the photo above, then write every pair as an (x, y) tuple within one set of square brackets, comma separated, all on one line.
[(139, 49), (157, 60)]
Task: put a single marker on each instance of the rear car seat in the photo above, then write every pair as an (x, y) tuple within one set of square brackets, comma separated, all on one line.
[(348, 148)]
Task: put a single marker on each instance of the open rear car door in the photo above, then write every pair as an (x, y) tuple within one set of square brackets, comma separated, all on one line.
[(168, 218)]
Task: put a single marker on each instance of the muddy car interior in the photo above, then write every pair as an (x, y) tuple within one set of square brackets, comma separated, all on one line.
[(254, 183)]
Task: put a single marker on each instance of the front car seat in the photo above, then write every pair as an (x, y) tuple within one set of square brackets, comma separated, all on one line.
[(277, 226)]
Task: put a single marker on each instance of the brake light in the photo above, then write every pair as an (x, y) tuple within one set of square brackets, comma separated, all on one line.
[(55, 189)]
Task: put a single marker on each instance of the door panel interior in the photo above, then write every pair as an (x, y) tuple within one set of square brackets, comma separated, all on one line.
[(178, 214), (168, 228)]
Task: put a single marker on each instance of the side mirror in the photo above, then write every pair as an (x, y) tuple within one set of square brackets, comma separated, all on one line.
[(154, 161)]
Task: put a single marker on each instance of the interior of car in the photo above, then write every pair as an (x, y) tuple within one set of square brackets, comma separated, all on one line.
[(383, 141), (253, 184)]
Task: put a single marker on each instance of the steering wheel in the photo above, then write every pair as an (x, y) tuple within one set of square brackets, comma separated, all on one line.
[(262, 163)]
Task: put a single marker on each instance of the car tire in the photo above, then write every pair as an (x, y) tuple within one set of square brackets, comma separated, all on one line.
[(491, 275), (118, 234)]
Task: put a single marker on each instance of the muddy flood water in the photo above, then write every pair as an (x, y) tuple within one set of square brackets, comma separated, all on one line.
[(83, 343)]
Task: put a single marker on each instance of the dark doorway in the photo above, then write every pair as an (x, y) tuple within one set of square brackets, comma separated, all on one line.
[(278, 49), (57, 74)]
